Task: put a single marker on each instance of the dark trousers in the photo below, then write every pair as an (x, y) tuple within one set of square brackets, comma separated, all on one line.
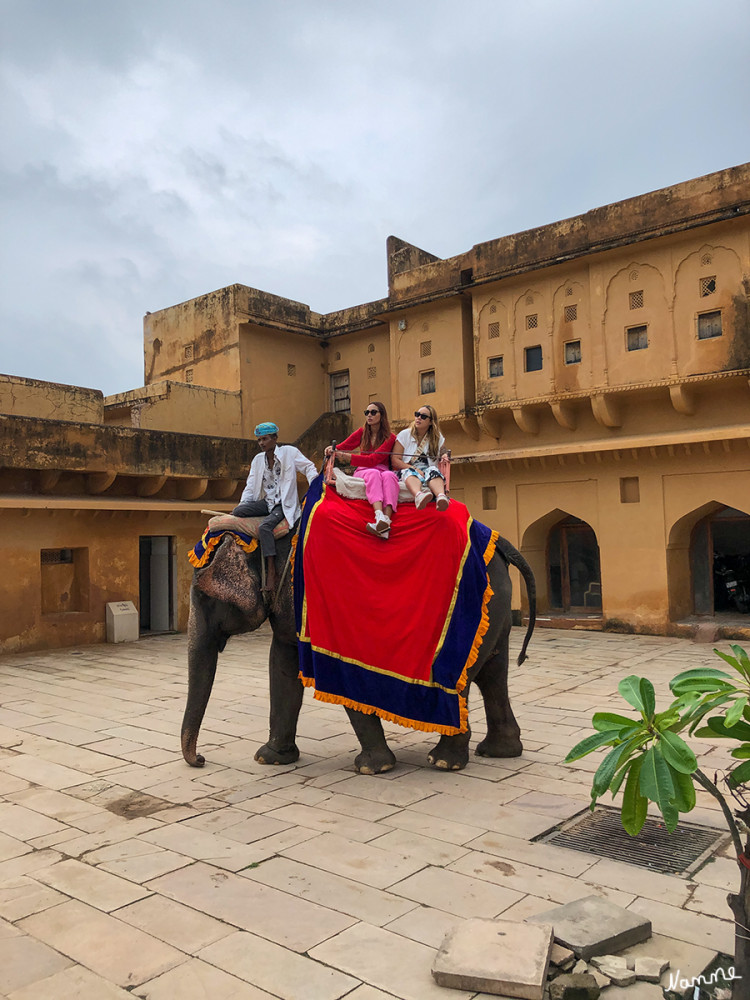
[(259, 508)]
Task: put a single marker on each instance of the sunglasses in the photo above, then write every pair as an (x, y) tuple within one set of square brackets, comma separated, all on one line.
[(371, 413), (422, 416)]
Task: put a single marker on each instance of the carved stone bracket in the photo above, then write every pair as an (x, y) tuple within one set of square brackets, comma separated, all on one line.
[(606, 411), (470, 426), (150, 485), (490, 423), (683, 400), (565, 414), (99, 482), (48, 479), (527, 419), (192, 489), (222, 489)]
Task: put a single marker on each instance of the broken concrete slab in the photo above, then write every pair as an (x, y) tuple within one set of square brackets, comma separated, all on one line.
[(619, 961), (564, 958), (500, 957), (618, 976), (594, 926), (650, 969)]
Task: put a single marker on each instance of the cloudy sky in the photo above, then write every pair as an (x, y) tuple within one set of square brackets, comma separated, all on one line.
[(154, 150)]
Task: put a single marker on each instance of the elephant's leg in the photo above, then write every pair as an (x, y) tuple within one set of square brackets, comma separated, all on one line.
[(503, 732), (286, 701), (204, 645), (376, 756), (452, 752)]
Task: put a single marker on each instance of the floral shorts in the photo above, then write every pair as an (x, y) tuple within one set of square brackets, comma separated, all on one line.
[(423, 473)]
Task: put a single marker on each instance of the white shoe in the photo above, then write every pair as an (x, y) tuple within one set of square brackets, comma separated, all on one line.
[(442, 502), (378, 529), (422, 499), (381, 525)]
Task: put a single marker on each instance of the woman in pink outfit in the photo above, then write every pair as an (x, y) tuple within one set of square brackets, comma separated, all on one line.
[(372, 463)]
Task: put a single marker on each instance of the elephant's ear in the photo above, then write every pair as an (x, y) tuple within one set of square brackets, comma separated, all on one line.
[(229, 577)]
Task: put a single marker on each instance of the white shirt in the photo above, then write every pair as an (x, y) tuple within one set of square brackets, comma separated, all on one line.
[(411, 446), (291, 461)]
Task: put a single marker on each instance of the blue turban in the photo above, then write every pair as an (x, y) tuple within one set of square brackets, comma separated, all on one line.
[(268, 427)]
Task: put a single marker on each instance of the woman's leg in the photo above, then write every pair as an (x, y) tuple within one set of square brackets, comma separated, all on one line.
[(436, 486), (413, 483), (390, 491), (374, 492), (373, 486)]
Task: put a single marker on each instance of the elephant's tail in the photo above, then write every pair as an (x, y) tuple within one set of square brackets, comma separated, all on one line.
[(511, 555)]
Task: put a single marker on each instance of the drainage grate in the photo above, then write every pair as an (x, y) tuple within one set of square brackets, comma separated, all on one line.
[(654, 848)]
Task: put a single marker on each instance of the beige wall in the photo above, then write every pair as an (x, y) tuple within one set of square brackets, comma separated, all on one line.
[(366, 356), (636, 540), (28, 397), (175, 406), (283, 379), (433, 338), (199, 337), (111, 543), (664, 273)]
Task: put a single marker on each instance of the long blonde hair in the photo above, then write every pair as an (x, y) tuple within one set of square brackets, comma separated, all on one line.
[(433, 432)]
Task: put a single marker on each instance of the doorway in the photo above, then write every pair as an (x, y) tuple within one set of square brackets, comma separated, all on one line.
[(156, 583), (574, 573), (720, 563)]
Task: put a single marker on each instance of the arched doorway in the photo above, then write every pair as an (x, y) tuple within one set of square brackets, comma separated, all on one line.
[(720, 563), (573, 568)]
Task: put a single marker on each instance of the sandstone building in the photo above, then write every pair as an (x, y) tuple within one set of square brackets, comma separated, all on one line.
[(592, 381)]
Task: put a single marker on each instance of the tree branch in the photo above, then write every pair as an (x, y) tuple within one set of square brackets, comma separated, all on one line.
[(710, 787)]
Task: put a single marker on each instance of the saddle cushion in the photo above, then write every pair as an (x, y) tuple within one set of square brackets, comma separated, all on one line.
[(245, 525), (353, 488)]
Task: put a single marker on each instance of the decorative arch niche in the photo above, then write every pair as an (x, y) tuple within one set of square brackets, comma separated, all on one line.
[(563, 552)]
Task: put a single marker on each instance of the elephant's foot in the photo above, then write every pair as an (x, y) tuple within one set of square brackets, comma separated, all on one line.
[(498, 746), (374, 761), (451, 753), (189, 743), (267, 755)]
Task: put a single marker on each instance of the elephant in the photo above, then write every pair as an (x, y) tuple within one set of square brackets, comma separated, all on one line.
[(226, 599)]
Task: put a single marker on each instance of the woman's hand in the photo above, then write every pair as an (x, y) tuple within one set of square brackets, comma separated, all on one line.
[(329, 451)]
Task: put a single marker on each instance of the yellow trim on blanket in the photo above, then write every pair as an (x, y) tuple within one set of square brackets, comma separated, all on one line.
[(211, 544), (452, 605), (358, 706)]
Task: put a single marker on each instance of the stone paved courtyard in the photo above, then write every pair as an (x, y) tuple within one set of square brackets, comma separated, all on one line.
[(123, 872)]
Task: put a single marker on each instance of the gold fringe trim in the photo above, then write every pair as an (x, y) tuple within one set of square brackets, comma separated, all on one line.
[(358, 706), (211, 543)]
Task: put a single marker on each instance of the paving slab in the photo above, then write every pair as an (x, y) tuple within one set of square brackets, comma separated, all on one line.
[(120, 954), (495, 956), (296, 924), (273, 968), (594, 926)]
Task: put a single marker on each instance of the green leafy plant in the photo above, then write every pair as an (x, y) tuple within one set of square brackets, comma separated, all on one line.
[(651, 762)]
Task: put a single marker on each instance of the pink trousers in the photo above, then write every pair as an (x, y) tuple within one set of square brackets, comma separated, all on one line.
[(380, 484)]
